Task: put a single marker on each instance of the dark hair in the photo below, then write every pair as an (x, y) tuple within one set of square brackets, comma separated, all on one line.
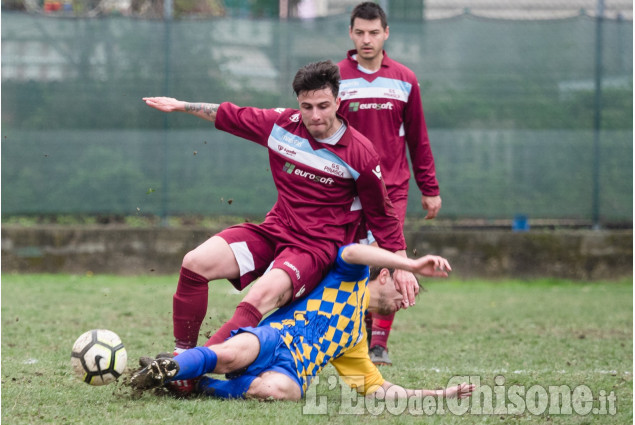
[(374, 272), (317, 76), (369, 11)]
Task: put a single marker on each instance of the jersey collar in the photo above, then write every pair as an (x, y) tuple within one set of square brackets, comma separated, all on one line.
[(385, 61)]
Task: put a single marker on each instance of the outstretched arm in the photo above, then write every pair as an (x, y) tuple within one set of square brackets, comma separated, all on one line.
[(206, 111), (428, 265), (390, 391)]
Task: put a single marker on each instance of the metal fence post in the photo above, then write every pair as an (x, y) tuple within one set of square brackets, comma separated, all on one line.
[(167, 19), (597, 119)]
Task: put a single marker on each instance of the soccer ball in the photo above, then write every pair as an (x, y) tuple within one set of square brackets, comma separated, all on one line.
[(98, 357)]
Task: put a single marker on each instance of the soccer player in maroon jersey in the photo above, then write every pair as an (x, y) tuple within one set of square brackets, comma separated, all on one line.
[(381, 98), (328, 177)]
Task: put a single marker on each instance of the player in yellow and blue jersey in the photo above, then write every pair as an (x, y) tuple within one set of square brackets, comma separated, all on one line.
[(279, 358)]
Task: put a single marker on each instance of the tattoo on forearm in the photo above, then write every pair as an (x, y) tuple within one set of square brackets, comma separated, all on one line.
[(208, 109)]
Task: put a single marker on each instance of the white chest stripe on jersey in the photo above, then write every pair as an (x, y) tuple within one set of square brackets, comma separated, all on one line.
[(380, 88), (373, 93), (299, 150)]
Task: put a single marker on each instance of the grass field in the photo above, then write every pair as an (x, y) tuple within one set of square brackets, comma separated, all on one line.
[(509, 333)]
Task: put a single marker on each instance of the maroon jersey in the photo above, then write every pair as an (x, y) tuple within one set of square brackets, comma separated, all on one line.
[(385, 106), (322, 189)]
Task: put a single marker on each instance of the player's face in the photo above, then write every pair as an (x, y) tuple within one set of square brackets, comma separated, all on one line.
[(389, 298), (318, 109), (368, 37)]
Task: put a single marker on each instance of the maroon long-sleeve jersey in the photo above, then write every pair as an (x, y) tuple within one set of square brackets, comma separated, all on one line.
[(385, 106), (323, 189)]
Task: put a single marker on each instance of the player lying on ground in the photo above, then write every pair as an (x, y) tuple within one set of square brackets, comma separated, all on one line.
[(327, 176), (279, 358)]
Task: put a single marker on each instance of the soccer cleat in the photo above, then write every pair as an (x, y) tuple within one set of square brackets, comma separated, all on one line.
[(180, 387), (379, 356), (155, 375), (146, 360)]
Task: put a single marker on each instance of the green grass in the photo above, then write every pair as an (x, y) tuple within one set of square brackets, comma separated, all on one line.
[(532, 333)]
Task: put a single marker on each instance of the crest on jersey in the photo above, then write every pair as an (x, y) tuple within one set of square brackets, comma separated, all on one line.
[(294, 118)]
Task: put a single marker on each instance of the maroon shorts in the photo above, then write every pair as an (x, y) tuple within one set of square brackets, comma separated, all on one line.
[(258, 248)]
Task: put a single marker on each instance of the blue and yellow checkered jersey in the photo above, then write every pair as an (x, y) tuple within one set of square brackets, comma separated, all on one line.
[(328, 325)]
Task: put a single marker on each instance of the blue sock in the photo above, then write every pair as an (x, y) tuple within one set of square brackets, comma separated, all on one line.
[(232, 388), (195, 362)]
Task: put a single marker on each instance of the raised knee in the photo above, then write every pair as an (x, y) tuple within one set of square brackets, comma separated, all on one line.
[(271, 387), (210, 262), (226, 360), (191, 261), (197, 262)]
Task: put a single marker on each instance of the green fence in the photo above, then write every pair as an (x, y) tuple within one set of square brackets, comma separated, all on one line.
[(510, 107)]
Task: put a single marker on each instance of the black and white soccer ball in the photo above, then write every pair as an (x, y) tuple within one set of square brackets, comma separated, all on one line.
[(99, 357)]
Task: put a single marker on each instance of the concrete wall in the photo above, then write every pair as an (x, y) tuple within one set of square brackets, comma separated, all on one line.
[(575, 254)]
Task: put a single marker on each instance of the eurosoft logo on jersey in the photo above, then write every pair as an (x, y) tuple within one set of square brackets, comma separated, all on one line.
[(376, 106), (357, 106), (291, 169), (288, 168)]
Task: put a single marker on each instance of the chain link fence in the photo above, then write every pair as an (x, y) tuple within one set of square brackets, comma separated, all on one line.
[(414, 10), (526, 116)]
